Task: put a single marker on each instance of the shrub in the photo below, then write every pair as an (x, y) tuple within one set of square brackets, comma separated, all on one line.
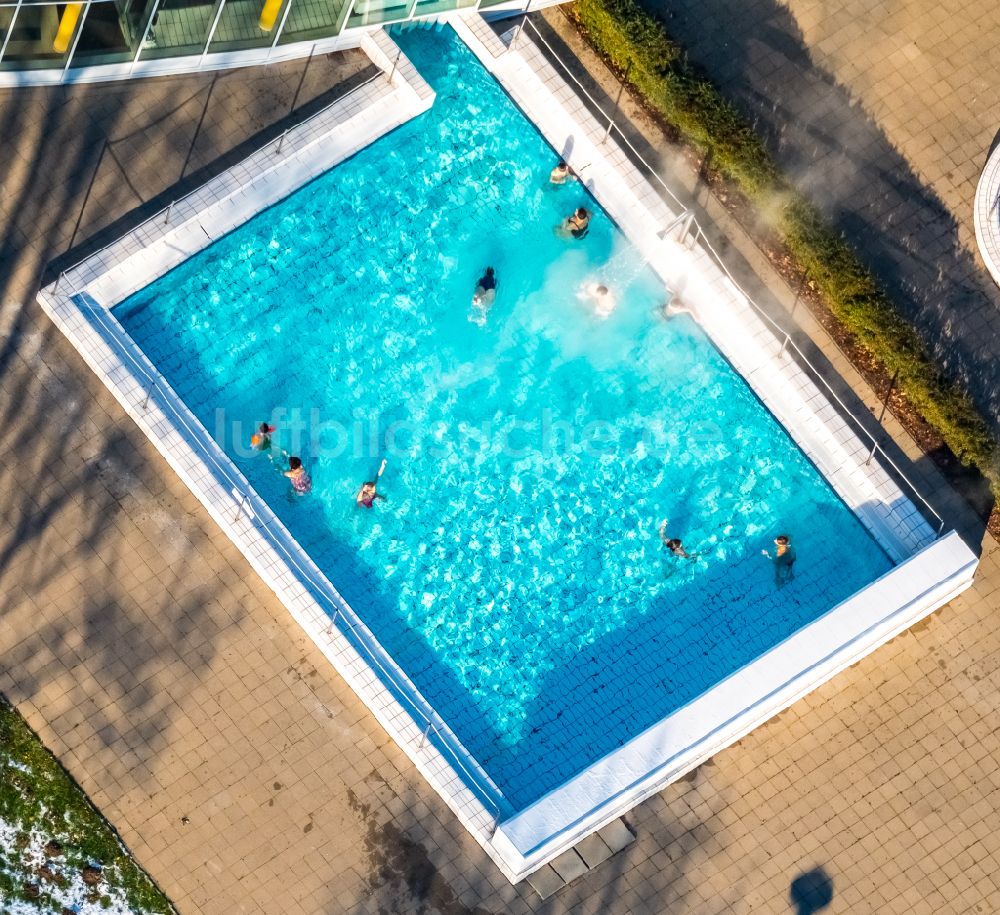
[(624, 33)]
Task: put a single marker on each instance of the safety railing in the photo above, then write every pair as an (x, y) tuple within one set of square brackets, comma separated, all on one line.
[(687, 221), (250, 505), (164, 215)]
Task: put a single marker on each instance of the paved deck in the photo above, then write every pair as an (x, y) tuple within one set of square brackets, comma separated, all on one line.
[(242, 772), (884, 113)]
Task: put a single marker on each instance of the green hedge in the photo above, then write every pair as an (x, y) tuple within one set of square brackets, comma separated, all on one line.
[(624, 34)]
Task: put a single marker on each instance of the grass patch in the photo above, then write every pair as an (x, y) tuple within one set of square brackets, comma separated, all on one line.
[(623, 33), (39, 800)]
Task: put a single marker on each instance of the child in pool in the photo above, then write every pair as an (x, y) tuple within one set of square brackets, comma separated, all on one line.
[(261, 439)]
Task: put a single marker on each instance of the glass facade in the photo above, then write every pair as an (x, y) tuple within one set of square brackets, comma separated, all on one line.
[(375, 12), (66, 37), (179, 28), (30, 36), (102, 38), (308, 20)]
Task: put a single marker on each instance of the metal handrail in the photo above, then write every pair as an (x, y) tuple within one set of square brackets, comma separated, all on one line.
[(408, 692), (278, 142), (700, 235)]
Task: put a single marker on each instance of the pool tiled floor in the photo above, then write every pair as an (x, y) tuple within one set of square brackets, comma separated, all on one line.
[(149, 657)]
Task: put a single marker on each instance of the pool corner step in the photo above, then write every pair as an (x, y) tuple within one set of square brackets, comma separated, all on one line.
[(587, 854)]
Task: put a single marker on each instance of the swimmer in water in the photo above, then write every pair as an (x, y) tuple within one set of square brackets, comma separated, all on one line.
[(578, 225), (673, 544), (605, 301), (484, 296), (560, 174), (783, 559), (675, 307), (367, 494), (301, 481), (600, 295), (261, 439)]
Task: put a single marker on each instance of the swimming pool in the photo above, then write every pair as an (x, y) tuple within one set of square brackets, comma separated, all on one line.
[(514, 571)]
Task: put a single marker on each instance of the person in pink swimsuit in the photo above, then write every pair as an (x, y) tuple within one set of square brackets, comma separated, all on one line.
[(301, 481)]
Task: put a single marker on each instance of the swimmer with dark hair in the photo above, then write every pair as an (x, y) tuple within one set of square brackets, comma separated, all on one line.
[(486, 289), (368, 493), (561, 173), (783, 559), (578, 225), (301, 481), (673, 543), (484, 296), (261, 439)]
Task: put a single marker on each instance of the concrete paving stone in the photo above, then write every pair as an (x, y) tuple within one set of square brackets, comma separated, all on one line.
[(569, 865), (616, 835), (545, 881)]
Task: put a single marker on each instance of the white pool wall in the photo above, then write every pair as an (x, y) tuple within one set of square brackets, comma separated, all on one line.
[(932, 571), (80, 304), (696, 279)]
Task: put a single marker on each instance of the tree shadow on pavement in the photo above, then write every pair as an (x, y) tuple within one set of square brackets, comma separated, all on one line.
[(655, 148), (118, 595), (840, 157), (417, 863)]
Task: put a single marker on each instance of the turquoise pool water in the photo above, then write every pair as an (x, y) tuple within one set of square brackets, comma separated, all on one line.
[(514, 569)]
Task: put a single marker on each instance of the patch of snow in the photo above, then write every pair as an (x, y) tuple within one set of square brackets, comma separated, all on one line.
[(73, 896)]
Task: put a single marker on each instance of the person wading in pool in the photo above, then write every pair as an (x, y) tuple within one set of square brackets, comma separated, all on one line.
[(577, 225), (561, 174), (301, 482), (783, 559), (367, 494), (673, 544), (261, 439)]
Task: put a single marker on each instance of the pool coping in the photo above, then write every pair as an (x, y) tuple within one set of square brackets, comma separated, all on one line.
[(692, 734), (519, 842), (79, 303)]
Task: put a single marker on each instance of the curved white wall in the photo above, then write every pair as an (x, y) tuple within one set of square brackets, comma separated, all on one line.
[(987, 214)]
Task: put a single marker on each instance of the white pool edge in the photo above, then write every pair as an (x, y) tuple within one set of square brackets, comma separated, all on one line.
[(731, 709), (736, 329), (612, 785)]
